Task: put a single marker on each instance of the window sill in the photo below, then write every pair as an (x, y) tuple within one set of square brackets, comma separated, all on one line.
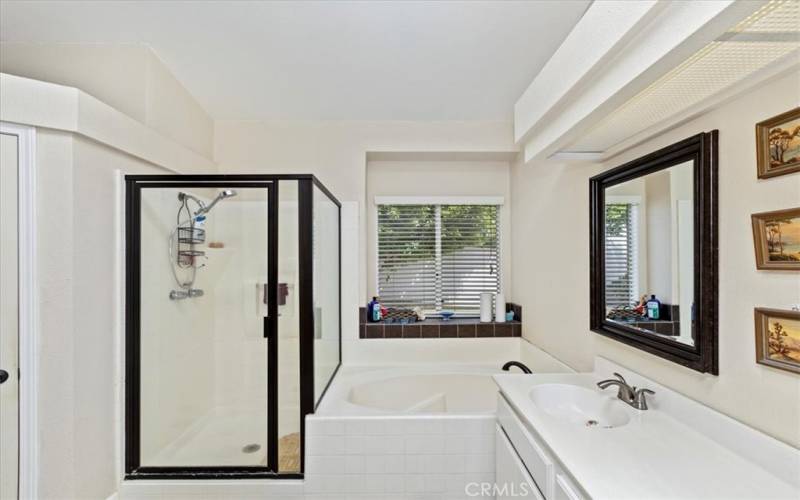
[(452, 321), (438, 328)]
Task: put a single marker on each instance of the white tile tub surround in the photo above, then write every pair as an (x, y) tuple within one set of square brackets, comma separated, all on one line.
[(372, 451), (381, 457), (244, 489)]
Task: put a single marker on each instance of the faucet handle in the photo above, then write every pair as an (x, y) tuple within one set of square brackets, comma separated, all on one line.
[(620, 377), (639, 398)]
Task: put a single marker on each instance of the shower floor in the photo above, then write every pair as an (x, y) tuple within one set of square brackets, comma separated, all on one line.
[(227, 438), (289, 453)]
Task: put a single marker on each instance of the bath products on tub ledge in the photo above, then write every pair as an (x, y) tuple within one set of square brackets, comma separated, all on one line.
[(374, 310), (500, 308), (486, 307), (653, 308)]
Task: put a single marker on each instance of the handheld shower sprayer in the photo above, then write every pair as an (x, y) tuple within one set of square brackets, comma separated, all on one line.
[(225, 193), (204, 209)]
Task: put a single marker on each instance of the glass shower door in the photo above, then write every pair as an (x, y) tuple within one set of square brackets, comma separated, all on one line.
[(203, 366)]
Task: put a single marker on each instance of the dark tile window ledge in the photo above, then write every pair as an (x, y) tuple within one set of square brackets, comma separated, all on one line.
[(436, 328)]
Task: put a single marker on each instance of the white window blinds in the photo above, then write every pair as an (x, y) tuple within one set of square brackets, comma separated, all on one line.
[(622, 281), (438, 256)]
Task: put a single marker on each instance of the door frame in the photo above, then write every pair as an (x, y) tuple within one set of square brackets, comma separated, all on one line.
[(28, 332), (132, 468)]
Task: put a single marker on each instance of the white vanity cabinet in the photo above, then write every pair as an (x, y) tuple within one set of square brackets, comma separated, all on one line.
[(512, 478), (521, 457), (576, 442)]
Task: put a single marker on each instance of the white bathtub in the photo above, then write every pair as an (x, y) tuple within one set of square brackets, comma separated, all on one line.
[(408, 390), (403, 432), (430, 393)]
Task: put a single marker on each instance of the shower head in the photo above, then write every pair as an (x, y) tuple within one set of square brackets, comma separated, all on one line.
[(204, 209), (225, 193)]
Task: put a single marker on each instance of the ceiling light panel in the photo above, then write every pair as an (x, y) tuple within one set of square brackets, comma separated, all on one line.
[(766, 36)]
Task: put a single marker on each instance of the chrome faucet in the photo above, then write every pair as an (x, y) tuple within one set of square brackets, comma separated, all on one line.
[(631, 395)]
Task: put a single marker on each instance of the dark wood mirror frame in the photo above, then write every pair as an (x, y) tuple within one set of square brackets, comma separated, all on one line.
[(702, 150)]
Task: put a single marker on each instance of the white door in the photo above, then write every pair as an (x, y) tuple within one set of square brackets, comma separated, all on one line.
[(9, 318)]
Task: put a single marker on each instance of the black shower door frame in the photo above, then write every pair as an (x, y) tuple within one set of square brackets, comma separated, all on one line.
[(132, 431)]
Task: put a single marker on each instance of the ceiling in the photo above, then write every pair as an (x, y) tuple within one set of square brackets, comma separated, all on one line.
[(344, 60)]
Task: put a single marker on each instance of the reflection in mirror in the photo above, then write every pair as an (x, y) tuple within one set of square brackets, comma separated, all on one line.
[(649, 253)]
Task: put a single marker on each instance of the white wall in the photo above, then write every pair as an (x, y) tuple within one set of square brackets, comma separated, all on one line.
[(176, 336), (236, 274), (129, 78), (79, 256), (79, 225), (437, 178), (659, 224), (336, 152), (552, 281)]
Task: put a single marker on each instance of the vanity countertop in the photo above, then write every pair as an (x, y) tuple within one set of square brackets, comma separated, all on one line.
[(654, 455)]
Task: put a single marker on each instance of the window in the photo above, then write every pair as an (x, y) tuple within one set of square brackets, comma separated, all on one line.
[(438, 256), (622, 281)]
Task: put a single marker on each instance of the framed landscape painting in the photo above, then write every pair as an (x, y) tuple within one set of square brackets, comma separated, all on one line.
[(778, 338), (777, 239), (778, 144)]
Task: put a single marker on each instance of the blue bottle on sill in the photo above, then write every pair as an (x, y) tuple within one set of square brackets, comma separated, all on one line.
[(653, 307), (374, 310)]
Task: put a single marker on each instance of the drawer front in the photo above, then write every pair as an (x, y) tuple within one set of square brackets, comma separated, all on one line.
[(565, 490), (512, 479), (533, 456)]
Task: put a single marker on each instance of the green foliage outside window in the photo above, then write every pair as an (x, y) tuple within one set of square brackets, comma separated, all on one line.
[(458, 229)]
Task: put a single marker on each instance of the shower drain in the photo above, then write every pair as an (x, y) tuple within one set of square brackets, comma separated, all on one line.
[(251, 448)]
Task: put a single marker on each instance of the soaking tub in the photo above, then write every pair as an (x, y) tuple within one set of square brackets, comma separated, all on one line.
[(412, 390), (403, 432)]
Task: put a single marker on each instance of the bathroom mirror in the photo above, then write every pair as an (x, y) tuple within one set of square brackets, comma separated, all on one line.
[(654, 253)]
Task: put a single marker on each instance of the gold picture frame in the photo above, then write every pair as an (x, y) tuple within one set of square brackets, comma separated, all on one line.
[(776, 236), (778, 144), (778, 338)]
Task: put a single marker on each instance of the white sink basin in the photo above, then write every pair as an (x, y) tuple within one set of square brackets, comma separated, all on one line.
[(579, 405)]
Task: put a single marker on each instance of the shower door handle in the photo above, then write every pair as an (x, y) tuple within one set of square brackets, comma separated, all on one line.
[(264, 307), (262, 299), (3, 376)]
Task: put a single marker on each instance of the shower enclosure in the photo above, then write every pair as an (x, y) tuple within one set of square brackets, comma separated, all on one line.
[(233, 327)]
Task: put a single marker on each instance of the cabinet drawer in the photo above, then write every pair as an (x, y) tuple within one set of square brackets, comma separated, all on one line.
[(538, 463), (512, 479)]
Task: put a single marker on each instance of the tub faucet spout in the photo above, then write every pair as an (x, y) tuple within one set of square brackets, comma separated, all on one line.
[(518, 364)]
